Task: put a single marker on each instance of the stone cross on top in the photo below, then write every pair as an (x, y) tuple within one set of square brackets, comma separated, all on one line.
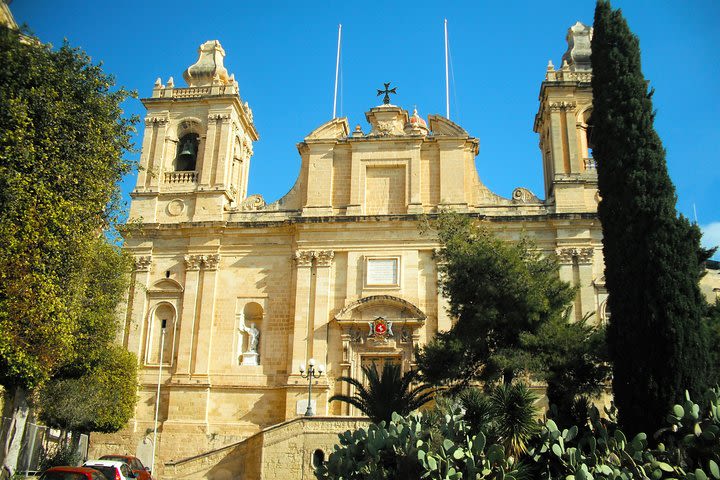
[(387, 91)]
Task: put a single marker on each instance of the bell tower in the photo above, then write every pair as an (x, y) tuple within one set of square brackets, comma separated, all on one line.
[(563, 125), (196, 147)]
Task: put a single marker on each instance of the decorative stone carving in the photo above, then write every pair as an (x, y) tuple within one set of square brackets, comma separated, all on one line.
[(583, 255), (253, 203), (209, 68), (324, 257), (192, 262), (210, 262), (304, 258), (142, 263), (176, 207), (523, 195)]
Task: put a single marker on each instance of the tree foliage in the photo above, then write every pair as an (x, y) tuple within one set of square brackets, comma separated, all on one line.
[(511, 309), (62, 137), (652, 256), (386, 392), (101, 400)]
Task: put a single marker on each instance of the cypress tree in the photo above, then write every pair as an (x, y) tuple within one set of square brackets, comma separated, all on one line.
[(652, 257)]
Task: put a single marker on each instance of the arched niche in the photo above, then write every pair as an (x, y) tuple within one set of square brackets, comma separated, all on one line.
[(250, 332), (157, 346)]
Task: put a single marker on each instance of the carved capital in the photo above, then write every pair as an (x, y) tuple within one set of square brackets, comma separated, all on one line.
[(304, 258), (192, 262), (142, 263), (150, 120), (210, 262), (583, 255), (562, 106), (324, 257)]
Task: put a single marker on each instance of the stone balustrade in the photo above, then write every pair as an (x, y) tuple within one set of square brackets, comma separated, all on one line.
[(181, 177)]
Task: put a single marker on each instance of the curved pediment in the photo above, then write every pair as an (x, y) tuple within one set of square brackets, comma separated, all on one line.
[(442, 126), (402, 308), (334, 129), (166, 286)]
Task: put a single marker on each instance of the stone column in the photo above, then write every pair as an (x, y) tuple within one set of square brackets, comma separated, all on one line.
[(321, 310), (186, 328), (206, 314)]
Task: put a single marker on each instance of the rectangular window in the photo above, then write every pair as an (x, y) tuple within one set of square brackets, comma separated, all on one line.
[(382, 272)]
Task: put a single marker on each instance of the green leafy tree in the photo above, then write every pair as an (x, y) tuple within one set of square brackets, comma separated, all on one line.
[(62, 139), (499, 292), (386, 392), (652, 257), (101, 400)]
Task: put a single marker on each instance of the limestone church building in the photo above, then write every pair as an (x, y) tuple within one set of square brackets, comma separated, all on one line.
[(337, 270)]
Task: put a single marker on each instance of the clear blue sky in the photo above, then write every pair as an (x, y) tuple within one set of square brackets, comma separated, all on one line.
[(283, 55)]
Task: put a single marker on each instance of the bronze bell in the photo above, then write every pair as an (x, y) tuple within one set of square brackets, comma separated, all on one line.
[(187, 155)]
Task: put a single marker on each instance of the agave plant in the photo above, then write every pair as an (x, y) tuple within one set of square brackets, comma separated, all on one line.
[(512, 408), (386, 392)]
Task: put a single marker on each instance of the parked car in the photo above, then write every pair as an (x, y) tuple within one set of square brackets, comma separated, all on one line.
[(142, 472), (111, 469), (72, 473)]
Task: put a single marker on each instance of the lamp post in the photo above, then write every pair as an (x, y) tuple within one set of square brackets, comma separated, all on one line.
[(312, 372), (157, 395)]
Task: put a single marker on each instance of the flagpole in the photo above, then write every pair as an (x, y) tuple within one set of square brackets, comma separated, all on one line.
[(447, 83), (337, 68)]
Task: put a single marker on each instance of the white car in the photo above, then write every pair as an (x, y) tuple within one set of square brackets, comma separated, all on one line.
[(112, 470)]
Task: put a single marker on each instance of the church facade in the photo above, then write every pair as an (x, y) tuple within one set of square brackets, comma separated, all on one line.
[(233, 295)]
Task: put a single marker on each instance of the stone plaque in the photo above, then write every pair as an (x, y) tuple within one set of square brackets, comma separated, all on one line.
[(382, 271)]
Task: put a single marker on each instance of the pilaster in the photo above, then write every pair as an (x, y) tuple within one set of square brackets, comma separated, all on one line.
[(300, 334), (321, 310), (187, 328), (206, 314)]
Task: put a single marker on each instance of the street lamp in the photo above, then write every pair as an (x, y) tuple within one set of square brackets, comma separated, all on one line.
[(157, 395), (312, 372)]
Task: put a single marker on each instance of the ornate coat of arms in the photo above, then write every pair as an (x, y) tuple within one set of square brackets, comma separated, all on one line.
[(380, 329)]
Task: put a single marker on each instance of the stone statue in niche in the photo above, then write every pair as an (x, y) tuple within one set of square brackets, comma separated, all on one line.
[(250, 355)]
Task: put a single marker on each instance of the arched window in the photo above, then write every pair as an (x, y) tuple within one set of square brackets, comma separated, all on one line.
[(187, 151), (318, 458)]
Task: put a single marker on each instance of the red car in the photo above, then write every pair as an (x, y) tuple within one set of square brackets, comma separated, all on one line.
[(142, 472), (72, 473)]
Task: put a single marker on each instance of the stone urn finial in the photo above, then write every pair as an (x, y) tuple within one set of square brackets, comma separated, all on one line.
[(209, 68), (578, 52)]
